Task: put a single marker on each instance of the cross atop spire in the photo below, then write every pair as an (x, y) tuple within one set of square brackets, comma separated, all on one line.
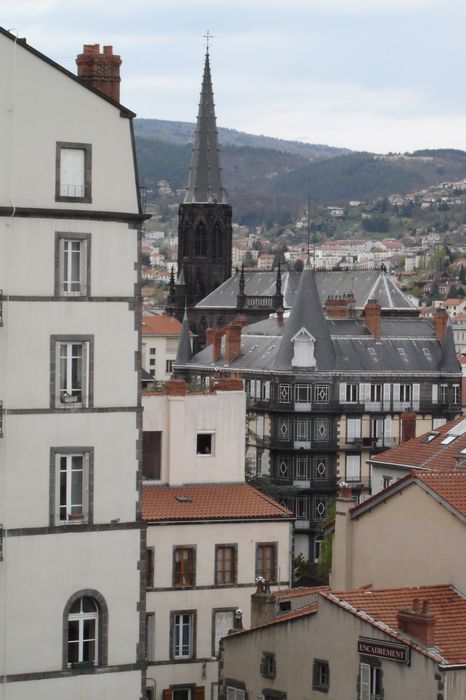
[(205, 174), (208, 36)]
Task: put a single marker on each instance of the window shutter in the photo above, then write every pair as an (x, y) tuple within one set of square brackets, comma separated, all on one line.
[(364, 392), (364, 682), (85, 377), (83, 268), (61, 265), (342, 393), (416, 394), (396, 392), (260, 427), (386, 392), (258, 389), (86, 485), (252, 385), (388, 427), (267, 390), (434, 393), (199, 692)]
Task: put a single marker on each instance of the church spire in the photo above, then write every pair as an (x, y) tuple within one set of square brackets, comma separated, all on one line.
[(205, 174)]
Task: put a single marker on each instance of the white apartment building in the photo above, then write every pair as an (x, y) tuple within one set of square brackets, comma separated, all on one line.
[(71, 603), (209, 535)]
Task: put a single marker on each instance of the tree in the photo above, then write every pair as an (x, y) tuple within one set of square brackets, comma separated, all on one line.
[(462, 275), (248, 260)]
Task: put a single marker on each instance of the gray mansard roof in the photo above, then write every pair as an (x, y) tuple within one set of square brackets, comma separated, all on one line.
[(407, 347), (365, 285)]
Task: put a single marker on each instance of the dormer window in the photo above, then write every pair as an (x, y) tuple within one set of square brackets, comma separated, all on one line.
[(304, 344)]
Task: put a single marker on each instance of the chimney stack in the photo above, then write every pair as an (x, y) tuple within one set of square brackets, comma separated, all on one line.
[(418, 623), (440, 321), (232, 342), (408, 426), (100, 71), (209, 336), (216, 342), (372, 314), (263, 604), (280, 317), (339, 305)]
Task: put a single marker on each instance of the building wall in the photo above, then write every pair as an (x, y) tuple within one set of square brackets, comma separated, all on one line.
[(316, 634), (221, 413), (205, 597), (395, 544), (165, 351)]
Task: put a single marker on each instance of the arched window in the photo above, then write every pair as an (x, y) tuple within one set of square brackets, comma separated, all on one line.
[(85, 630)]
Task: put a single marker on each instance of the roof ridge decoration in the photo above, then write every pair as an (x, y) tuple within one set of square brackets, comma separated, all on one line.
[(205, 173), (307, 314)]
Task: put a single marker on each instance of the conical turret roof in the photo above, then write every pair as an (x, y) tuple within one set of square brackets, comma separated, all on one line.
[(184, 353), (205, 174), (307, 313)]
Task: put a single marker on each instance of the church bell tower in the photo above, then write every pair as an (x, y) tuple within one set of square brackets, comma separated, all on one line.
[(204, 227)]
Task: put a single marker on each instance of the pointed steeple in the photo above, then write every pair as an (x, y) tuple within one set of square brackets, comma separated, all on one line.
[(307, 314), (184, 353), (205, 174)]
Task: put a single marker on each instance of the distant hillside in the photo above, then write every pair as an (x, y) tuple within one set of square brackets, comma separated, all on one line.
[(181, 133), (365, 176)]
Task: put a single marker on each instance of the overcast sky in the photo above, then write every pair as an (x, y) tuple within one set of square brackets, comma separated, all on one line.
[(377, 75)]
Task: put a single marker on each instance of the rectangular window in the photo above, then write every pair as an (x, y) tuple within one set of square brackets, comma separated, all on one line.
[(321, 429), (443, 393), (284, 393), (318, 542), (266, 561), (183, 635), (183, 567), (303, 429), (370, 682), (376, 393), (405, 393), (72, 358), (151, 454), (319, 508), (73, 172), (260, 427), (169, 366), (353, 468), (235, 693), (320, 675), (149, 567), (268, 667), (205, 443), (319, 467), (72, 264), (302, 468), (71, 485), (456, 394), (352, 393), (225, 564), (284, 429)]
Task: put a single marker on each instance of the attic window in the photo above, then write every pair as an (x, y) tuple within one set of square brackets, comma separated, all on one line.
[(183, 499), (428, 438), (402, 353), (373, 353), (427, 353), (463, 451), (449, 439)]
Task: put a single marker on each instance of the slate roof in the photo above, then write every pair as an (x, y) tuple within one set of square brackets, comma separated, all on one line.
[(420, 452), (160, 325), (209, 502), (379, 608), (205, 173), (364, 284), (184, 352)]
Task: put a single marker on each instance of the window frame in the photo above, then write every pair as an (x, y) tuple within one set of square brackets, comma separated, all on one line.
[(268, 665), (355, 457), (212, 443), (220, 549), (101, 629), (87, 148), (87, 371), (178, 577), (88, 485), (192, 635), (62, 237), (260, 562), (319, 665), (352, 393)]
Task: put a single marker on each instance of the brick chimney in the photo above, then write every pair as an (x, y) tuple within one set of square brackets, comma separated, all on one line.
[(100, 71), (417, 622), (209, 336), (216, 335), (232, 382), (440, 321), (408, 426), (176, 387), (232, 342), (280, 317), (339, 305), (372, 314)]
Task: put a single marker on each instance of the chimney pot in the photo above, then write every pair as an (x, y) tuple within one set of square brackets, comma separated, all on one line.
[(280, 317), (418, 623)]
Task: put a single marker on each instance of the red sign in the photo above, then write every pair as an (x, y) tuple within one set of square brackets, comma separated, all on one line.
[(384, 650)]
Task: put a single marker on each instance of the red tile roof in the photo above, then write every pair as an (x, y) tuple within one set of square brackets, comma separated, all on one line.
[(209, 502), (299, 591), (416, 454), (380, 607), (448, 488), (160, 325)]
